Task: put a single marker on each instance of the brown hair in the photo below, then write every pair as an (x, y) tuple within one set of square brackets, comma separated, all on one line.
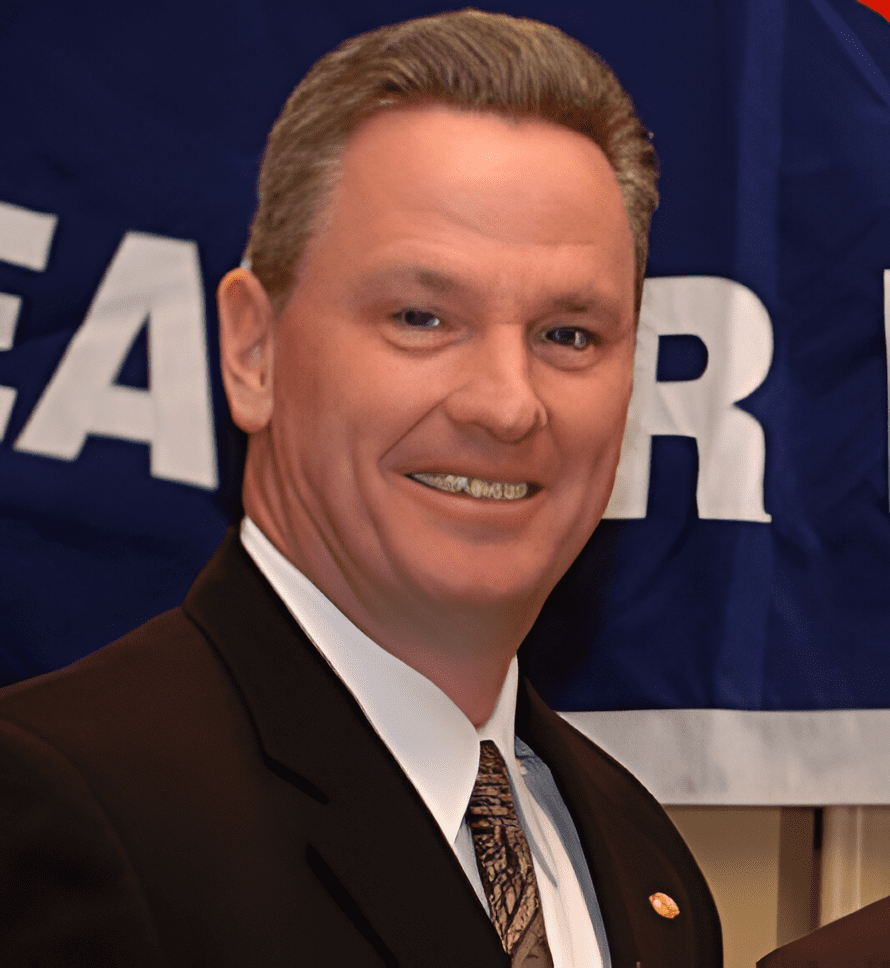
[(468, 60)]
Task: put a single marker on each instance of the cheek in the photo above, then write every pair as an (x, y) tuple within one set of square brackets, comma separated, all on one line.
[(318, 374), (599, 420), (591, 438)]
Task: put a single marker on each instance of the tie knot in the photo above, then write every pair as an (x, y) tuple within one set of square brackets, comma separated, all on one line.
[(491, 763), (492, 796)]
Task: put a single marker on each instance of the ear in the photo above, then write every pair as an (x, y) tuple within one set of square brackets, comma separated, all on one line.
[(247, 348)]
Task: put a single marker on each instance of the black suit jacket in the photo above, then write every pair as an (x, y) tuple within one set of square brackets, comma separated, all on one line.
[(205, 791)]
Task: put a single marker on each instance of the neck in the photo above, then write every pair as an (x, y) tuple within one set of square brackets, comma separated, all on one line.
[(463, 647), (470, 671)]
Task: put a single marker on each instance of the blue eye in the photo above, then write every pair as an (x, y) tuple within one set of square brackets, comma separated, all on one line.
[(418, 319), (569, 336)]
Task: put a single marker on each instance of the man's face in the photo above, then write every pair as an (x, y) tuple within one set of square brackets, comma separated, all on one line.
[(464, 313)]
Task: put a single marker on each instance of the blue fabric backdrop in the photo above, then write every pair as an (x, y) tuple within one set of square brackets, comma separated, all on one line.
[(130, 132)]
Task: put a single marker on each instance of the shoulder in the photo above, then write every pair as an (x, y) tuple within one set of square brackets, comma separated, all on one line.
[(159, 682), (129, 718), (78, 751), (130, 683)]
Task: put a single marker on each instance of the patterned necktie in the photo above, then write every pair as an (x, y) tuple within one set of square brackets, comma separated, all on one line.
[(505, 864)]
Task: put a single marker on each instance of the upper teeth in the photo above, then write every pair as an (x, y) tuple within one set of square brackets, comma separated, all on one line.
[(494, 490)]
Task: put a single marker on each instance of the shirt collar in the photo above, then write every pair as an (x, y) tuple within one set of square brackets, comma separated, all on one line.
[(429, 736)]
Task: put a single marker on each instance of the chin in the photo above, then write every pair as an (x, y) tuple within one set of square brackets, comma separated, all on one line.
[(486, 584)]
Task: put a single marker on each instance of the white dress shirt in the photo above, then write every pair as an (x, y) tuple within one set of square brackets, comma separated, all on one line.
[(438, 748)]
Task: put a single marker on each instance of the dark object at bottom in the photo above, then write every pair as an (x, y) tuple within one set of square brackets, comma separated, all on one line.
[(860, 940)]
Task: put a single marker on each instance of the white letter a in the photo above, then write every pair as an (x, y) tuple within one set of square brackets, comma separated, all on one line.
[(154, 278)]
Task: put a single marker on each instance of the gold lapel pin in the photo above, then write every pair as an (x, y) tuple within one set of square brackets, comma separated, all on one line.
[(664, 905)]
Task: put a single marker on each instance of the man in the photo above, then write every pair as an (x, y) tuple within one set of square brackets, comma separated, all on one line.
[(314, 761)]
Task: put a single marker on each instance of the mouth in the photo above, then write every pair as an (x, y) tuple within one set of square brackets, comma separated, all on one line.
[(476, 487)]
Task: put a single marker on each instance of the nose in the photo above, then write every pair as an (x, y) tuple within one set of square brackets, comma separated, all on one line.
[(495, 390)]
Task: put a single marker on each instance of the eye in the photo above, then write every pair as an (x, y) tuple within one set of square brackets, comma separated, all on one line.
[(418, 319), (577, 339)]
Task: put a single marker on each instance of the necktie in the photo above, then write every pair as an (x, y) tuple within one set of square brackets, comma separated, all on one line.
[(505, 864)]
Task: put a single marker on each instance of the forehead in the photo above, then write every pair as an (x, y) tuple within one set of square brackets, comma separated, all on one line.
[(476, 193), (482, 167)]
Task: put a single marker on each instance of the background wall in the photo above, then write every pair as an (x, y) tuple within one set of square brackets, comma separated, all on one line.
[(779, 873)]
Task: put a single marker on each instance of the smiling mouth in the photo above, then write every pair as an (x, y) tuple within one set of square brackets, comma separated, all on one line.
[(475, 486)]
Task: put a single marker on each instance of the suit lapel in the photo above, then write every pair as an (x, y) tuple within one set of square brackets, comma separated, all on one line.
[(632, 849), (585, 803), (376, 848)]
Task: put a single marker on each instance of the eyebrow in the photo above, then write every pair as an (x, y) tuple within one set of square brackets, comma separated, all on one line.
[(575, 303), (422, 275)]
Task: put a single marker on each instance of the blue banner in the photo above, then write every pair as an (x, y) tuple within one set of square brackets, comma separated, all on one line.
[(745, 560)]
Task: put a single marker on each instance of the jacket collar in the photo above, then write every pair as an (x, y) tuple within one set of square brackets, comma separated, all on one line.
[(375, 846)]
